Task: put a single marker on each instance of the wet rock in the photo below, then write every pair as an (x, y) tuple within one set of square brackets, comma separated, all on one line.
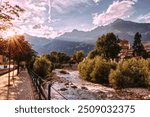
[(110, 95), (63, 89), (67, 83), (63, 72), (73, 86), (85, 88)]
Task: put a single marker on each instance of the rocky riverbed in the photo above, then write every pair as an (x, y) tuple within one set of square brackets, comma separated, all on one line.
[(72, 87)]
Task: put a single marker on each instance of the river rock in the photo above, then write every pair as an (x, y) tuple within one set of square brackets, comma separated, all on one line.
[(67, 83), (63, 89), (85, 88), (73, 86)]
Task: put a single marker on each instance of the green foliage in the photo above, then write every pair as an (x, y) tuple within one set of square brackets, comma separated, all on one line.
[(57, 58), (130, 73), (42, 66), (95, 70), (78, 56), (138, 48), (94, 53), (108, 45)]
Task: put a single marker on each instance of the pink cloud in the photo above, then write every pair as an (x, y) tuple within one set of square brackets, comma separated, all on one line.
[(118, 9)]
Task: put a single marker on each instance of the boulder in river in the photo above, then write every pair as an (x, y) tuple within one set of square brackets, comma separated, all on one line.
[(73, 86), (85, 88), (63, 89)]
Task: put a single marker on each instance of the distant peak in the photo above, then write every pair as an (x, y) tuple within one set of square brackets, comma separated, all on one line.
[(119, 20), (74, 30)]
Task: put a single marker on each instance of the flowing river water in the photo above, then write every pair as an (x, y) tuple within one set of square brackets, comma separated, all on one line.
[(72, 87)]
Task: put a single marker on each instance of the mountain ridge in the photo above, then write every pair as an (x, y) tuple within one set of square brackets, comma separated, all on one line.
[(75, 40)]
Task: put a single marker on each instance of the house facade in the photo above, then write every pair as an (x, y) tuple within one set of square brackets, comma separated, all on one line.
[(126, 50), (1, 59)]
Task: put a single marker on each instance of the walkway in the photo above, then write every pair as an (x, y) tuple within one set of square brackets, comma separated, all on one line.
[(21, 87)]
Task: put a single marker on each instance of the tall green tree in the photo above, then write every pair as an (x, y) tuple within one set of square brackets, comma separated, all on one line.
[(138, 48), (108, 46)]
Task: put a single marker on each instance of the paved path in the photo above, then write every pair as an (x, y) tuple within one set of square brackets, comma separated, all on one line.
[(21, 87)]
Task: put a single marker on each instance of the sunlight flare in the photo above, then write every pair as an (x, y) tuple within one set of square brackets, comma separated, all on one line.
[(11, 32)]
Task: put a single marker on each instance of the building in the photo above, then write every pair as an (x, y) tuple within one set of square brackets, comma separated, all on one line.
[(1, 59), (126, 50)]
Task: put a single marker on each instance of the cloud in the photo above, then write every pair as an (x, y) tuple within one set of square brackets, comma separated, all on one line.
[(118, 9), (35, 19), (144, 18), (62, 5), (96, 1)]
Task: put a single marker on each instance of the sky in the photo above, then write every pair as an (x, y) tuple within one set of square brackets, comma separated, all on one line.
[(52, 18)]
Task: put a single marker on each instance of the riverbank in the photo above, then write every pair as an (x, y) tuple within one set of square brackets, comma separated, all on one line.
[(73, 87)]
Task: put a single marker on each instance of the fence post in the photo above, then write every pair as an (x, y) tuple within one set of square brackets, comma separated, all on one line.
[(39, 87), (49, 91)]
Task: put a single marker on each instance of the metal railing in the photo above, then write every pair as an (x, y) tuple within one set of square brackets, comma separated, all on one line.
[(38, 84), (38, 81)]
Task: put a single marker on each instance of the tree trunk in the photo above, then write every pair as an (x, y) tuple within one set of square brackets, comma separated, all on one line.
[(18, 70)]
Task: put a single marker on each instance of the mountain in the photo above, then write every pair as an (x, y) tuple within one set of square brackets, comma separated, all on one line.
[(67, 47), (124, 30), (37, 42), (81, 40), (43, 45)]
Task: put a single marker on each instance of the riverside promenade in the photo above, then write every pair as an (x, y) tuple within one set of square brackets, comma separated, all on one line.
[(21, 87)]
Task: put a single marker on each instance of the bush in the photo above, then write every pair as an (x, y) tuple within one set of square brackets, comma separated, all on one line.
[(78, 56), (93, 53), (95, 70), (42, 67), (130, 73)]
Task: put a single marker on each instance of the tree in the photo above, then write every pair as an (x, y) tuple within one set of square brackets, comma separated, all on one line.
[(95, 70), (58, 57), (19, 49), (93, 53), (78, 56), (130, 73), (2, 46), (42, 66), (108, 45), (7, 14), (138, 48)]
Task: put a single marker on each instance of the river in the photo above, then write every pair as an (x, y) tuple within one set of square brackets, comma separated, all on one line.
[(72, 87), (75, 88)]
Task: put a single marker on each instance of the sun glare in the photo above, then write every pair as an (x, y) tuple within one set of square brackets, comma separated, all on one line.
[(11, 33)]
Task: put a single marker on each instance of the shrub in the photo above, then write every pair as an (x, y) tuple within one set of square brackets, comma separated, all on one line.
[(93, 53), (130, 73), (42, 66), (78, 56), (95, 70), (85, 68)]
